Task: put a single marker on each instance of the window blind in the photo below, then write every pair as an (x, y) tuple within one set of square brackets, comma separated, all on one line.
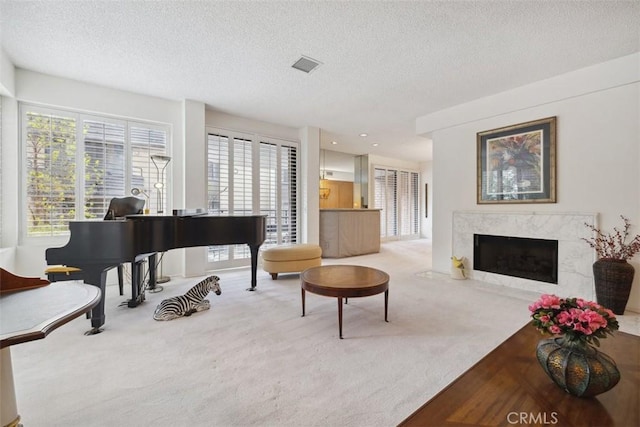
[(147, 141), (104, 167), (242, 188), (289, 191), (50, 151), (218, 186), (396, 192), (75, 163), (279, 191), (249, 175)]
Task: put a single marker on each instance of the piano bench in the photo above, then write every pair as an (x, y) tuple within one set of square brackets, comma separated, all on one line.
[(290, 258), (58, 273)]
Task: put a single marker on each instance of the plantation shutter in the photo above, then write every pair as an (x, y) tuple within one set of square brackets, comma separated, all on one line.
[(218, 187), (278, 191), (147, 141), (50, 182), (74, 164), (104, 174), (242, 187), (414, 201), (391, 205), (249, 175), (396, 193), (269, 191), (408, 203), (289, 186), (380, 198), (218, 174), (242, 178), (105, 155)]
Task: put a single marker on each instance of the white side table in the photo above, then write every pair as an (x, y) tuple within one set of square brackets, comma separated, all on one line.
[(30, 315)]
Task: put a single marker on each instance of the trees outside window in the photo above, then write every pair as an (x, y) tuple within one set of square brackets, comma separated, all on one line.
[(74, 164)]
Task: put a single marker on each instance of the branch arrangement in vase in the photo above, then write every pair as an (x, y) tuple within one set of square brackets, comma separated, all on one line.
[(614, 245)]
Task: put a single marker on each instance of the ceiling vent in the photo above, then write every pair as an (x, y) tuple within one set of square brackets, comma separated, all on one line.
[(306, 64)]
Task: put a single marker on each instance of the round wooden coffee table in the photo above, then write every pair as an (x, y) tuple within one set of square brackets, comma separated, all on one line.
[(345, 281)]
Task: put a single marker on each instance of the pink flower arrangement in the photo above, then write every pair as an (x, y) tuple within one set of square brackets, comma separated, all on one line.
[(575, 318)]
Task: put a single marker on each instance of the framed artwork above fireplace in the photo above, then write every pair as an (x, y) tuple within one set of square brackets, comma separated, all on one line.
[(517, 164)]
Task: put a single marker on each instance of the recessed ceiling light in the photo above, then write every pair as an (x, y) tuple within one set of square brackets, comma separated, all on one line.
[(375, 144), (364, 135), (334, 142)]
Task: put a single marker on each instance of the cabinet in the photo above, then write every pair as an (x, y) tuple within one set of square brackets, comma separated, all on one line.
[(340, 195), (349, 232)]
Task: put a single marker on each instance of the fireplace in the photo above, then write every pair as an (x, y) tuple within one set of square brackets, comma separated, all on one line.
[(535, 259), (574, 257)]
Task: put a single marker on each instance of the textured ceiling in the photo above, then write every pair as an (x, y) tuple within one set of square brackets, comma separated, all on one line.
[(383, 63)]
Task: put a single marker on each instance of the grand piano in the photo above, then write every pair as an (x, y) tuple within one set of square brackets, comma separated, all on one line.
[(97, 246)]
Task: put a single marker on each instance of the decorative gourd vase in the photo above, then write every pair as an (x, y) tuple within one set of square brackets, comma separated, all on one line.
[(577, 367), (613, 279)]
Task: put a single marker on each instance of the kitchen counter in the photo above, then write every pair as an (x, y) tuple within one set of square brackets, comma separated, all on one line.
[(349, 232)]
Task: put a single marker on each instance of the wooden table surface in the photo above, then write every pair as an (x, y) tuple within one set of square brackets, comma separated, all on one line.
[(345, 281), (508, 387)]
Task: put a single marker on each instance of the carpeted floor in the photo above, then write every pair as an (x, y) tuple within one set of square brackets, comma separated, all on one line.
[(252, 360)]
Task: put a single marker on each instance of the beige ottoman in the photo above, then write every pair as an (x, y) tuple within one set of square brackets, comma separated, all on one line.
[(290, 258)]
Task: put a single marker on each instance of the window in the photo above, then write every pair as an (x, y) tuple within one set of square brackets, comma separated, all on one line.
[(74, 164), (251, 175), (278, 191), (396, 193)]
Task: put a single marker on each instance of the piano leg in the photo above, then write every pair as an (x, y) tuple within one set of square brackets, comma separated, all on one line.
[(254, 266), (137, 287), (96, 276), (153, 276)]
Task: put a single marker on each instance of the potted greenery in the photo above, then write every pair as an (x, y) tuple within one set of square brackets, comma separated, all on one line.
[(612, 274)]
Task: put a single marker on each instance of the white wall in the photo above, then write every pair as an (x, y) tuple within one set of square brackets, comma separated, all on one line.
[(7, 75), (598, 149), (242, 124)]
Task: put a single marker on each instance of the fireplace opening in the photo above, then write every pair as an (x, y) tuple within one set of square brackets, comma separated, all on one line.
[(535, 259)]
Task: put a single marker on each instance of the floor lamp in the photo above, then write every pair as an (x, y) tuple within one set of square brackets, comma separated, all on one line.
[(160, 162)]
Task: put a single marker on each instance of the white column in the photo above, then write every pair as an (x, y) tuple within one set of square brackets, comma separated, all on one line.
[(310, 185)]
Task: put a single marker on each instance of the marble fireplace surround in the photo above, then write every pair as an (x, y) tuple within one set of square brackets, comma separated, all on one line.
[(575, 256)]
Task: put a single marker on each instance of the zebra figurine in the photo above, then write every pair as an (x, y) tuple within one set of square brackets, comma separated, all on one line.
[(189, 303)]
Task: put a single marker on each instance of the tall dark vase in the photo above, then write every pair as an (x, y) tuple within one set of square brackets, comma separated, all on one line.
[(613, 279)]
